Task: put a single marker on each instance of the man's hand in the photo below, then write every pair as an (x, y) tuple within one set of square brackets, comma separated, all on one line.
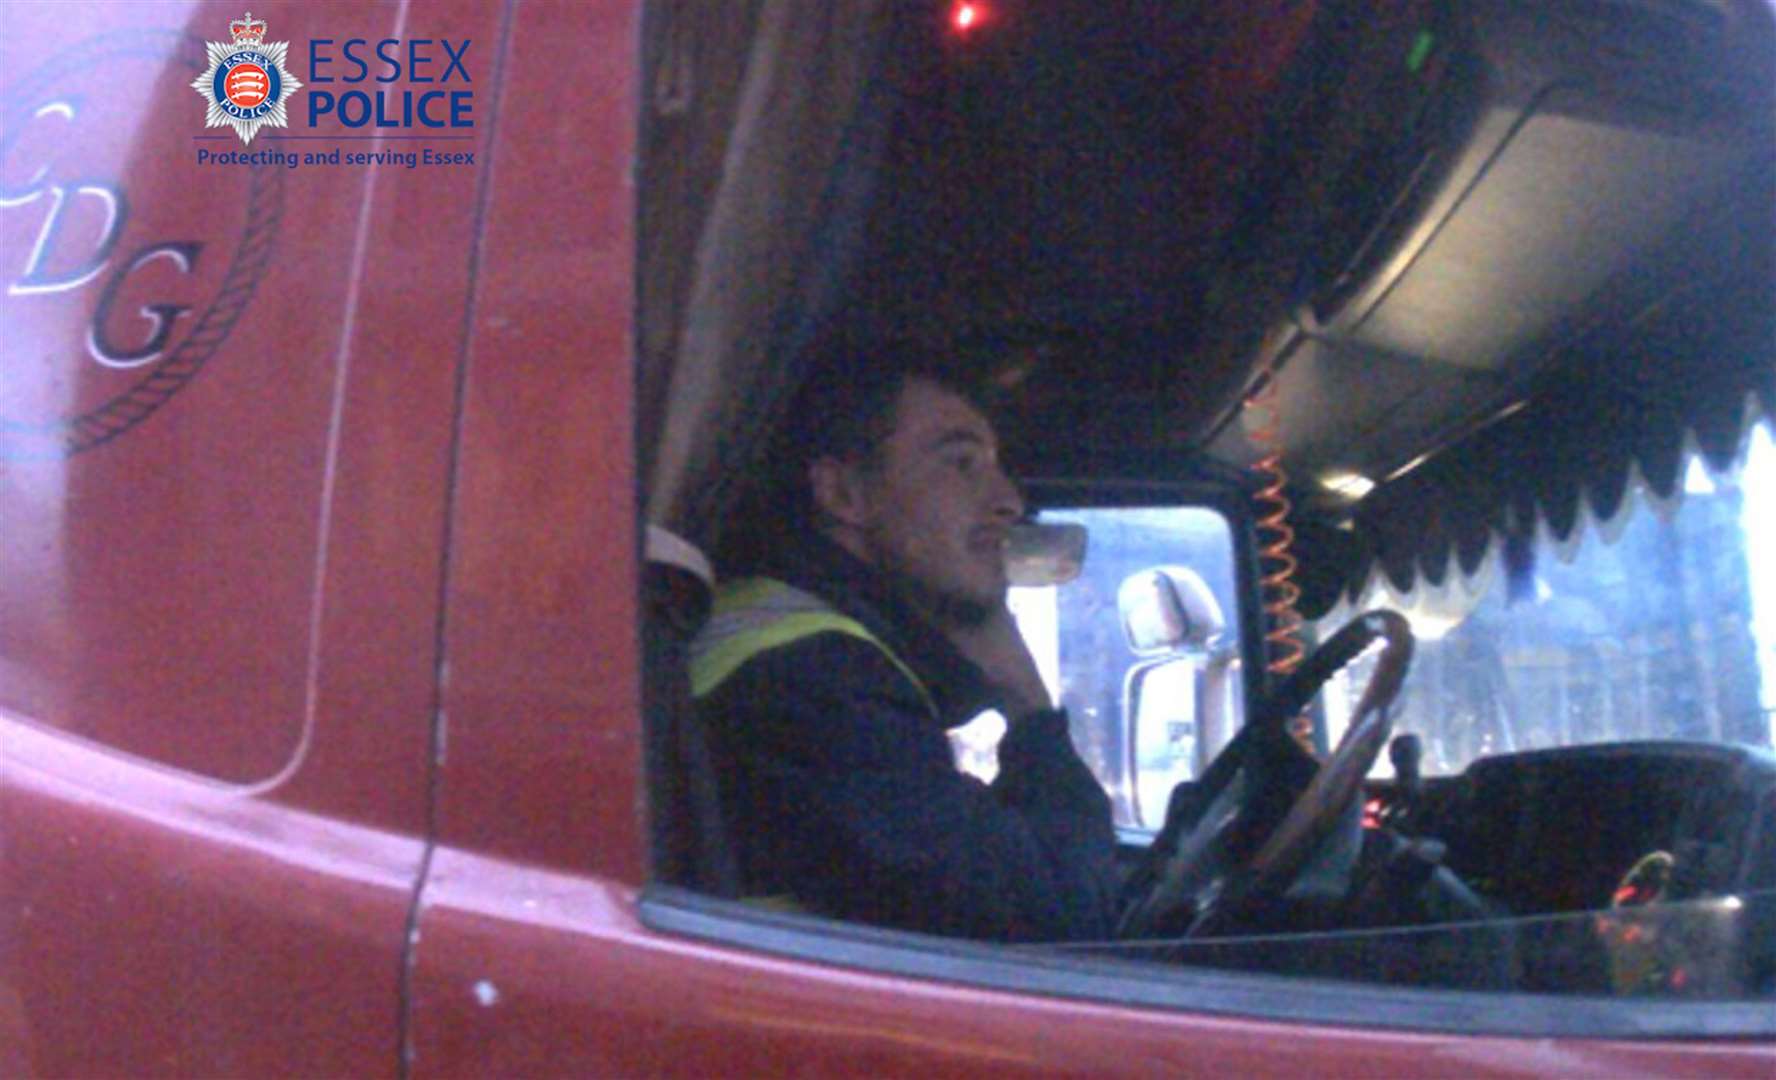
[(999, 650)]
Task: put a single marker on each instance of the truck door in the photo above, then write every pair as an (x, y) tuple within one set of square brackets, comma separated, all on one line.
[(227, 381)]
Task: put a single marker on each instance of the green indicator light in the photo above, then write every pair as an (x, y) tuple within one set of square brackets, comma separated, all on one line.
[(1420, 51)]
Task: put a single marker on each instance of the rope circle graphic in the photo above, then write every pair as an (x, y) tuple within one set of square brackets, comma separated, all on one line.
[(252, 256)]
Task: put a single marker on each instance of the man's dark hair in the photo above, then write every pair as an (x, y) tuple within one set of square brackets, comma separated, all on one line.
[(844, 413), (845, 410)]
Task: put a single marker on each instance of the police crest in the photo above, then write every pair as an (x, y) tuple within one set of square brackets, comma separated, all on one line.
[(246, 83)]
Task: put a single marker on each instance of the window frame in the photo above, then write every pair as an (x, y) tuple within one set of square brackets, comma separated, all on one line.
[(1183, 990), (1297, 999), (1234, 505)]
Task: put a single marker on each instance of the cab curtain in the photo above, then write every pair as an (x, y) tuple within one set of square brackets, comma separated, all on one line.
[(1623, 405), (763, 124)]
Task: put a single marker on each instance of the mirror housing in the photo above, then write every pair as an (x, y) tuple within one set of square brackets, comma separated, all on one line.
[(1044, 553), (1177, 705), (1169, 609)]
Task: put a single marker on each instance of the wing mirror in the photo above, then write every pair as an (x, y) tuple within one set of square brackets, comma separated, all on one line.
[(1177, 704), (1169, 609)]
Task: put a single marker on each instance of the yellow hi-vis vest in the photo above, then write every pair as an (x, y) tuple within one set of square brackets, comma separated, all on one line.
[(755, 615)]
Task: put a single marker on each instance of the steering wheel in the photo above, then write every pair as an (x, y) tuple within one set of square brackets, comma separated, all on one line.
[(1222, 851)]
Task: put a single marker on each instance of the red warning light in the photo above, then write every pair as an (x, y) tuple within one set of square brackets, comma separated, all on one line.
[(965, 17)]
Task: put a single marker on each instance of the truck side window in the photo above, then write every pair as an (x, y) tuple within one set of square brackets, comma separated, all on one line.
[(1143, 718)]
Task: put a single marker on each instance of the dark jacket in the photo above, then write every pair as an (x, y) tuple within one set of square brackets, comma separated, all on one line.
[(840, 789)]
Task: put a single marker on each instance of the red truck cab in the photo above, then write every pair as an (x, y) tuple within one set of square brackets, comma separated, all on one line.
[(336, 443)]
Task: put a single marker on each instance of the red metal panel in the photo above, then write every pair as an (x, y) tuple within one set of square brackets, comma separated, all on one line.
[(153, 923), (539, 973), (218, 612), (540, 735)]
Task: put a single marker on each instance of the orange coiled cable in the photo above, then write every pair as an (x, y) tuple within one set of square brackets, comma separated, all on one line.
[(1276, 537), (1277, 563)]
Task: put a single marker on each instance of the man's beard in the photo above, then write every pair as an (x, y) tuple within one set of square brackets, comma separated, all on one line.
[(947, 608)]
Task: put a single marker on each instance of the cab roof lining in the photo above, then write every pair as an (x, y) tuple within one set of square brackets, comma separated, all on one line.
[(1134, 197)]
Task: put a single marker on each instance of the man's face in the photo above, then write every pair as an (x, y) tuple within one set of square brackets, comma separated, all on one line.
[(933, 507)]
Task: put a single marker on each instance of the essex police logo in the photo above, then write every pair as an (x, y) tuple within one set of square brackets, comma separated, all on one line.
[(246, 84)]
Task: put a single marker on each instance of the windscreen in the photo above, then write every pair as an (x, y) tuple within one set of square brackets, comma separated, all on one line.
[(1659, 624)]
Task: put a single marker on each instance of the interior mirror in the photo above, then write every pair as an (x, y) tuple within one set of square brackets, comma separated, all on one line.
[(1044, 553), (1168, 609)]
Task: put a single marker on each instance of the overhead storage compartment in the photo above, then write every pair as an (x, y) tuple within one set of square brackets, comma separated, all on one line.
[(1540, 185)]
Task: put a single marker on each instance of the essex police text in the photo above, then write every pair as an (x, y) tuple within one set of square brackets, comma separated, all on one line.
[(417, 59), (411, 159)]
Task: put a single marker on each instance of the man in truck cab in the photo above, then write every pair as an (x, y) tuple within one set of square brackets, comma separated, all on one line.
[(829, 673)]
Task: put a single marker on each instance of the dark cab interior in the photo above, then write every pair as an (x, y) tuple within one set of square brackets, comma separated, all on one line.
[(1497, 259)]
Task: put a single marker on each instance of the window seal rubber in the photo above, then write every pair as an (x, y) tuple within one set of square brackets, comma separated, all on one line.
[(1205, 991)]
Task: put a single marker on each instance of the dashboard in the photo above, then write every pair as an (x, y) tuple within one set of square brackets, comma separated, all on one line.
[(1553, 831)]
